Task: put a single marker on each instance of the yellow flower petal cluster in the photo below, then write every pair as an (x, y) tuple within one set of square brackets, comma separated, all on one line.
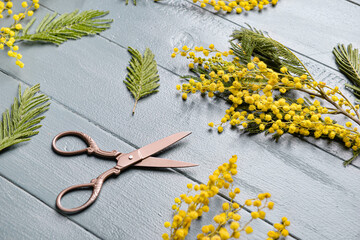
[(7, 34), (237, 5), (280, 230), (227, 224), (256, 93)]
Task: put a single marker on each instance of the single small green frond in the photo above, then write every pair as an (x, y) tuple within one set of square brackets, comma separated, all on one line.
[(253, 42), (348, 61), (58, 29), (143, 77), (19, 123)]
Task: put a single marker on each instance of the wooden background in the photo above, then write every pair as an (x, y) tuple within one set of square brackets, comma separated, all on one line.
[(84, 80)]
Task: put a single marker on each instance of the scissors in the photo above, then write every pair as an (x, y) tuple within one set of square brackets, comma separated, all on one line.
[(137, 158)]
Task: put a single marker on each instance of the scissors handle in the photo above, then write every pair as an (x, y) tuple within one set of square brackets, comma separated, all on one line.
[(96, 184), (91, 149)]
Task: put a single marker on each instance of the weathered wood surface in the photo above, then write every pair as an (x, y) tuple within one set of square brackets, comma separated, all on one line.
[(22, 216), (84, 79)]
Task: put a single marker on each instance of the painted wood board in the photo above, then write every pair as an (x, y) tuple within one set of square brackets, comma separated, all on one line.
[(137, 199), (22, 216), (189, 109)]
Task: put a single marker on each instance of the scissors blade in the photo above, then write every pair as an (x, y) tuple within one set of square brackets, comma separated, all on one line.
[(159, 145), (161, 163)]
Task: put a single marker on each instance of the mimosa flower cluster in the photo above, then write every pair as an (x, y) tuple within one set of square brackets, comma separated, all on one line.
[(7, 34), (237, 5), (228, 223), (258, 103)]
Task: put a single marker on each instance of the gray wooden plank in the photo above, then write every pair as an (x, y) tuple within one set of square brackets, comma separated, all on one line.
[(133, 206), (299, 175), (24, 217), (312, 28)]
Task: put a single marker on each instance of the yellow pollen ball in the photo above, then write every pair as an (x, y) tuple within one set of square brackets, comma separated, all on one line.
[(283, 69), (248, 202), (220, 129), (234, 225), (285, 233), (165, 236), (248, 230), (18, 26), (250, 66), (254, 215), (184, 96)]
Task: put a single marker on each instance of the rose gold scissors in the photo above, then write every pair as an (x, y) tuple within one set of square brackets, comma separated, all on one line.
[(138, 158)]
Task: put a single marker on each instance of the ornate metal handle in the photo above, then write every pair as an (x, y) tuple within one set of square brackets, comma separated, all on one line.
[(96, 184), (91, 149)]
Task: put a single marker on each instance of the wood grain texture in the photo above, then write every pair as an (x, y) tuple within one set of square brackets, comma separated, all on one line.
[(132, 206), (24, 217), (309, 185)]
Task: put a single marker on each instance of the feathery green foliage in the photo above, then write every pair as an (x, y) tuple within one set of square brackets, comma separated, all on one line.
[(67, 26), (253, 42), (19, 124), (348, 60), (143, 77)]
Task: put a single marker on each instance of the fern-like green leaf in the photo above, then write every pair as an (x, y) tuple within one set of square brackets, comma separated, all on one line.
[(22, 121), (348, 60), (143, 77), (58, 29), (253, 42)]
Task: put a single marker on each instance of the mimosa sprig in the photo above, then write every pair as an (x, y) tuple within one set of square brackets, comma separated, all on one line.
[(256, 81)]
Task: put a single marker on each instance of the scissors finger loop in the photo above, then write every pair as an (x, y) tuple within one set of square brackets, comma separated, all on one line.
[(91, 149), (96, 184), (91, 200), (87, 139)]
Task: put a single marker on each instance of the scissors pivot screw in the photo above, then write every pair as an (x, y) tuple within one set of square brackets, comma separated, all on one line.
[(131, 157)]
